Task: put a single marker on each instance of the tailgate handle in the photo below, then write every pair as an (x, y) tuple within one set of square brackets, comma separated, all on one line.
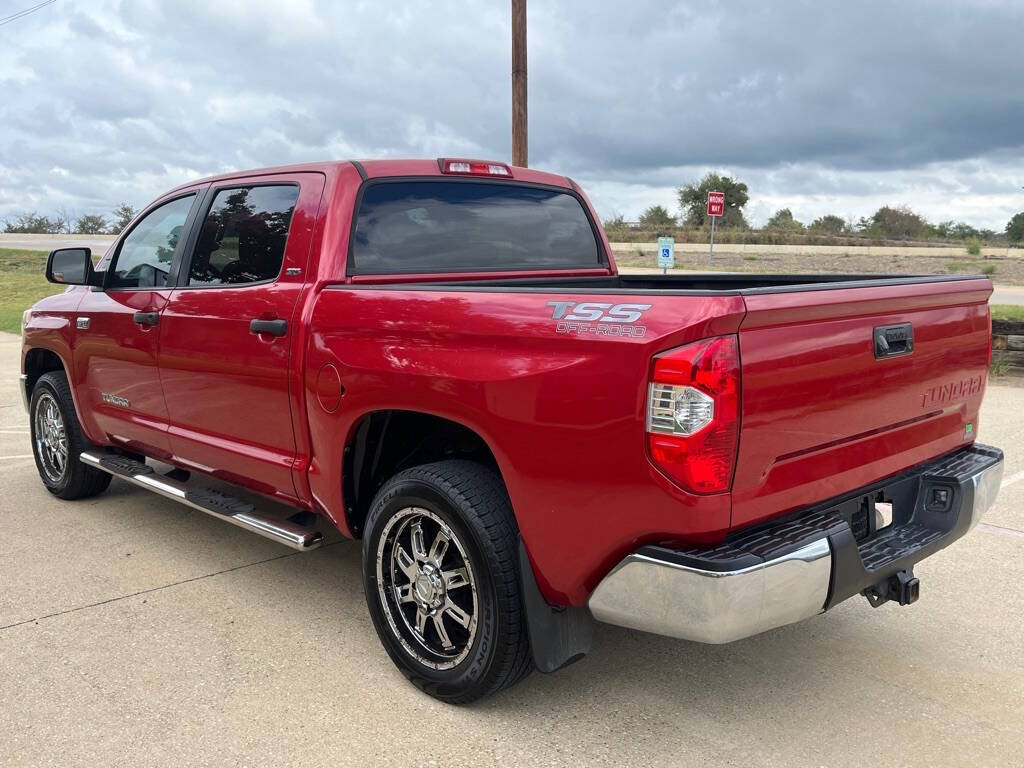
[(894, 340)]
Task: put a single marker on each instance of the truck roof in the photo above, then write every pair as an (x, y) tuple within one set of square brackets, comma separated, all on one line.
[(380, 169)]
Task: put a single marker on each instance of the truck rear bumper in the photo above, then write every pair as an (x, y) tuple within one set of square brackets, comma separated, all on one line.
[(787, 571)]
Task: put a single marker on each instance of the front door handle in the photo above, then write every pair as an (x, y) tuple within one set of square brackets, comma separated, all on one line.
[(147, 318), (269, 327)]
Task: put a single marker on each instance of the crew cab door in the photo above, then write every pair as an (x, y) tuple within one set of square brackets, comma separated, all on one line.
[(228, 329), (117, 334)]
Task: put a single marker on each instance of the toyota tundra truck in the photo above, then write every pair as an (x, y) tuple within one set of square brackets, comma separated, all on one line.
[(439, 357)]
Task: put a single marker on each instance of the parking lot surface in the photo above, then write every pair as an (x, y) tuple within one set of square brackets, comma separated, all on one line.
[(134, 631)]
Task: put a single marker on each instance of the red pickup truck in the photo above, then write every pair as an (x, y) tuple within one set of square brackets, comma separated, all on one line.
[(440, 358)]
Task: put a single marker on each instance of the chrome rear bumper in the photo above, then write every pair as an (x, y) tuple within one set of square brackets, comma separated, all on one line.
[(792, 571), (714, 606)]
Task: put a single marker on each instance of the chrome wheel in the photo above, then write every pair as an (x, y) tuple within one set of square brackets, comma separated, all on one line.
[(51, 439), (429, 595)]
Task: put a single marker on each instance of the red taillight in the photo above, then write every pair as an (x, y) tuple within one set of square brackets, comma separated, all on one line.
[(693, 414), (474, 168)]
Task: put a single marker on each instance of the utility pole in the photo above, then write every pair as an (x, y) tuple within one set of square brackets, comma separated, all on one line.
[(519, 82)]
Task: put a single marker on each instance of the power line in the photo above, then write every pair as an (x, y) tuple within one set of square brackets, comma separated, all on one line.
[(26, 12)]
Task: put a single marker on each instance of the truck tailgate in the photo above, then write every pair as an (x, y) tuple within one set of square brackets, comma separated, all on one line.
[(824, 413)]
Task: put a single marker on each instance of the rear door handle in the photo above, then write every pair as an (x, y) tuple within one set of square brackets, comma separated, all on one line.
[(269, 327), (147, 318)]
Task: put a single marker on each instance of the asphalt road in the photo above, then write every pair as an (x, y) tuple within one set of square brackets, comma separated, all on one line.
[(136, 632), (1008, 294), (98, 243)]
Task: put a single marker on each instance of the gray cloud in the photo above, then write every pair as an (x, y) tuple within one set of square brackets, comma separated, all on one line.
[(814, 104)]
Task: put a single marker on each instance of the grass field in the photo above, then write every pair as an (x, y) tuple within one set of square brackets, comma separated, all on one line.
[(22, 283), (1008, 312)]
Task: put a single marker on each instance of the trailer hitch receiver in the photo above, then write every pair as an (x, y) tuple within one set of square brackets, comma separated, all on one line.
[(902, 586)]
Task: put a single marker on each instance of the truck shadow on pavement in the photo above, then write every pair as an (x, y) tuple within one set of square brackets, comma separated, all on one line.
[(629, 666)]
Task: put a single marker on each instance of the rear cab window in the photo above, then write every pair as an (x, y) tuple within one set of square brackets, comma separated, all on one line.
[(452, 225)]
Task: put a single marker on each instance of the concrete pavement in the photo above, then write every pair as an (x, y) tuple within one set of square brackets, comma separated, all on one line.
[(136, 632), (1008, 294)]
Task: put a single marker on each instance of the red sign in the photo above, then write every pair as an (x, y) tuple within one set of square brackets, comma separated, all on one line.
[(716, 203)]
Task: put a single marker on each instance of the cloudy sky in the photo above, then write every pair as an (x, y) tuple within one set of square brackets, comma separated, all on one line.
[(819, 106)]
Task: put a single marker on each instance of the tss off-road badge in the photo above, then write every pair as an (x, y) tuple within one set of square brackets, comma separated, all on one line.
[(598, 318)]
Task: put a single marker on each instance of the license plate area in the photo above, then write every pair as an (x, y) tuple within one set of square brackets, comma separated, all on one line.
[(879, 510)]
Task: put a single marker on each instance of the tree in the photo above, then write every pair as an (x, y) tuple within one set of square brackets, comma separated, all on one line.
[(91, 225), (33, 224), (783, 221), (63, 221), (693, 199), (955, 230), (899, 223), (657, 216), (829, 224), (1015, 228), (123, 215), (618, 221)]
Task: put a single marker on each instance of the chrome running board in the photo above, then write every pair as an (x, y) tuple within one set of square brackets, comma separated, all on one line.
[(214, 503)]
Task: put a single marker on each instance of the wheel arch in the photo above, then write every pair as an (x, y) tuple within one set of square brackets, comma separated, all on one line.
[(383, 442), (37, 361)]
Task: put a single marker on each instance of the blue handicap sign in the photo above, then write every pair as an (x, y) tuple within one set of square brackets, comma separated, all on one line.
[(666, 253)]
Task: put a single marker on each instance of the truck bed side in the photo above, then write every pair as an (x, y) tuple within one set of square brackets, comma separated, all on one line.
[(563, 412)]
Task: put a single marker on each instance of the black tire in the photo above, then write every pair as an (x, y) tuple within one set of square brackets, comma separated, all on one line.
[(74, 480), (472, 502)]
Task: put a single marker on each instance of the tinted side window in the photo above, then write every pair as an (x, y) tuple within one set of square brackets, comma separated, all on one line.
[(452, 226), (243, 236), (145, 256)]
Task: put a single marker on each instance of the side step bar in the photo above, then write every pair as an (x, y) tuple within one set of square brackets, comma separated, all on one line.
[(219, 505)]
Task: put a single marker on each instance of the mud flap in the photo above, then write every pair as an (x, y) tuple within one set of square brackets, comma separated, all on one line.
[(559, 635)]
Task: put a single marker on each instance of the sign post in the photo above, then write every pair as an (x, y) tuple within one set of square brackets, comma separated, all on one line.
[(666, 254), (716, 208)]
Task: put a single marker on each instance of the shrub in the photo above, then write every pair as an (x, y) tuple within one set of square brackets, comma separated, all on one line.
[(656, 216), (783, 221), (1015, 228), (829, 224), (91, 225), (899, 223), (33, 224)]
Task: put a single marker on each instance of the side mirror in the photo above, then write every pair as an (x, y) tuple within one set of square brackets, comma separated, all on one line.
[(70, 266)]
